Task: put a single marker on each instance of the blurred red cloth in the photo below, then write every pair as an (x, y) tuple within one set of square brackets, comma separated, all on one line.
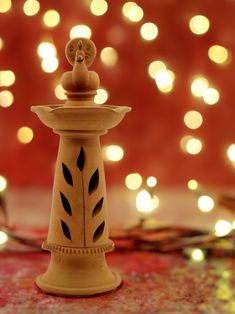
[(153, 283)]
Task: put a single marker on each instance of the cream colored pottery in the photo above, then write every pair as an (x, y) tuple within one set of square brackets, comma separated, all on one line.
[(78, 235)]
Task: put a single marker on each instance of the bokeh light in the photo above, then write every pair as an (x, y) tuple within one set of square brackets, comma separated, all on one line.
[(192, 184), (231, 152), (60, 92), (99, 7), (197, 255), (3, 183), (31, 7), (83, 31), (164, 80), (3, 237), (199, 86), (222, 228), (135, 13), (155, 67), (109, 56), (218, 54), (51, 18), (145, 203), (6, 98), (25, 135), (1, 43), (46, 50), (199, 24), (133, 181), (205, 203), (211, 96), (5, 6), (151, 181), (113, 153), (7, 78), (193, 119), (149, 31), (101, 97), (50, 65), (193, 146)]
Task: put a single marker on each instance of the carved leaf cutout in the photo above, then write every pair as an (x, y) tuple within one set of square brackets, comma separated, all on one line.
[(99, 231), (94, 182), (81, 159), (66, 204), (98, 207), (67, 174), (65, 229)]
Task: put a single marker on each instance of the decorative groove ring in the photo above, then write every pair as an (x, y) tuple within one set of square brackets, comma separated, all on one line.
[(78, 251)]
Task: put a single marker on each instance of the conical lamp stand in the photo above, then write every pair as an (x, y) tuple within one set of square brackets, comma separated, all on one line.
[(78, 236)]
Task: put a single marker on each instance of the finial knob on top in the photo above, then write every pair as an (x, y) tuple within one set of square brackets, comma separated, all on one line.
[(80, 84)]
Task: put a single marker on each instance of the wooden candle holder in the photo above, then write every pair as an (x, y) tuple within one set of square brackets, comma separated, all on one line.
[(78, 236)]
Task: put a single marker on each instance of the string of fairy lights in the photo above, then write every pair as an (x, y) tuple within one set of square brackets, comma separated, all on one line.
[(160, 73)]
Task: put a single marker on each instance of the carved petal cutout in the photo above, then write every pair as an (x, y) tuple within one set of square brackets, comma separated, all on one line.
[(67, 174), (81, 159), (65, 229), (99, 231), (98, 207), (66, 204), (94, 181)]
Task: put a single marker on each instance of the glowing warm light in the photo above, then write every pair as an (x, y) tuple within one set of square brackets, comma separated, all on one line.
[(199, 24), (99, 7), (127, 7), (6, 98), (133, 181), (164, 79), (155, 67), (83, 31), (205, 203), (199, 86), (46, 50), (3, 237), (211, 96), (3, 183), (193, 146), (109, 56), (231, 152), (149, 31), (1, 43), (7, 78), (145, 203), (5, 5), (101, 96), (222, 228), (51, 18), (31, 7), (193, 119), (218, 54), (50, 65), (113, 153), (59, 92), (192, 184), (233, 224), (135, 14), (151, 181), (25, 135), (197, 255)]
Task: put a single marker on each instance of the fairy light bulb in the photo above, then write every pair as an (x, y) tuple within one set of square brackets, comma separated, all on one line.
[(113, 153), (133, 181), (199, 24), (205, 203)]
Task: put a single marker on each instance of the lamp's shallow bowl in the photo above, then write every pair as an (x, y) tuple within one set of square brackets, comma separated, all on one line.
[(82, 118)]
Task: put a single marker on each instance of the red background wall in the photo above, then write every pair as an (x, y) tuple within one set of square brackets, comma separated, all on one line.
[(151, 133)]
